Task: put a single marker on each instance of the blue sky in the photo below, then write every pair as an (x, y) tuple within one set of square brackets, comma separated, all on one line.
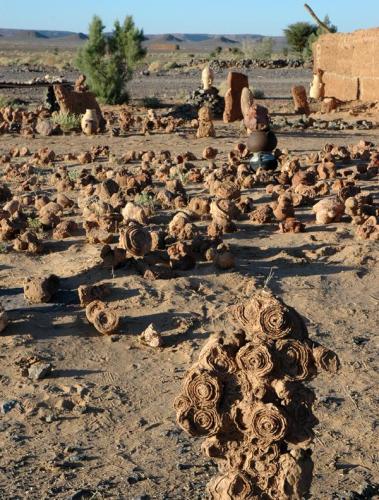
[(267, 17)]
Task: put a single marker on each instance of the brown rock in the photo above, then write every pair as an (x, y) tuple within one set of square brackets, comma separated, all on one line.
[(236, 83), (72, 101), (80, 85), (44, 127), (151, 337), (329, 104), (89, 293), (206, 127), (257, 118), (38, 290), (300, 100)]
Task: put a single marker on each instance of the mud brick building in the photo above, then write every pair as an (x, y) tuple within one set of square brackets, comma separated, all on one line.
[(350, 62)]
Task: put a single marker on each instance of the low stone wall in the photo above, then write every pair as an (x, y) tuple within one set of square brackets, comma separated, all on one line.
[(350, 62)]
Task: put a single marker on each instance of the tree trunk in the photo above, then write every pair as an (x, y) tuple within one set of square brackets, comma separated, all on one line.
[(318, 21)]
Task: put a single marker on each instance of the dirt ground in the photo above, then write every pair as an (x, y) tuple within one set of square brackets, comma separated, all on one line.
[(102, 424)]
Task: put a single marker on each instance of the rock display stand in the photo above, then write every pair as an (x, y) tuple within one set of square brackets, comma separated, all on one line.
[(209, 97)]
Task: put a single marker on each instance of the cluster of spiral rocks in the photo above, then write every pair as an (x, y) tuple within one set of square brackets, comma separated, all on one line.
[(246, 396)]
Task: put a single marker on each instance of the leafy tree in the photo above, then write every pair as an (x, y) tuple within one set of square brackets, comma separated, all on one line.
[(128, 39), (297, 35), (108, 62)]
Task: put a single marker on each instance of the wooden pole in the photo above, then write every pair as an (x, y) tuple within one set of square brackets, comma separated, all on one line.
[(317, 19)]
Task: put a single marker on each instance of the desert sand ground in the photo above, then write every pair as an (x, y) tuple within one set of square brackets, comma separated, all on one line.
[(102, 425)]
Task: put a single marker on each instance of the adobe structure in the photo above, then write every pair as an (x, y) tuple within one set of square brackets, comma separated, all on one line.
[(350, 64)]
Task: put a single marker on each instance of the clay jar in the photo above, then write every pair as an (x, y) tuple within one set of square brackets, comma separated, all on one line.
[(261, 141), (90, 122)]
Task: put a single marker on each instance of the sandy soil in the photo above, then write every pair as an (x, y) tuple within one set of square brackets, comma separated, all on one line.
[(102, 425)]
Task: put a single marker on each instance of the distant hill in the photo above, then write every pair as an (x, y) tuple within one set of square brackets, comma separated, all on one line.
[(194, 42), (72, 37), (224, 39), (22, 34), (17, 34), (163, 39)]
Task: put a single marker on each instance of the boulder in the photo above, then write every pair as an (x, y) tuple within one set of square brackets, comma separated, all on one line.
[(236, 83), (72, 101), (206, 127), (44, 127), (300, 100)]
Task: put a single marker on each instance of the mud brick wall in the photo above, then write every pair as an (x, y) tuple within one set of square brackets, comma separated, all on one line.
[(350, 62)]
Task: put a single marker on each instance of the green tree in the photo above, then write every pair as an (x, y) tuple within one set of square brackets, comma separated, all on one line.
[(128, 39), (108, 62), (297, 35)]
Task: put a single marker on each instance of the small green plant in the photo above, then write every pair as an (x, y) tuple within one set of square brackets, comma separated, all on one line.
[(181, 176), (151, 102), (66, 121), (73, 174), (145, 199), (34, 223), (3, 248)]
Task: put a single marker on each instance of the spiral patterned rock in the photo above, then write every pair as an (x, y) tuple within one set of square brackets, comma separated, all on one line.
[(105, 321), (200, 421), (295, 360), (93, 308), (325, 359), (202, 389), (268, 424), (231, 486), (135, 239), (255, 359)]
